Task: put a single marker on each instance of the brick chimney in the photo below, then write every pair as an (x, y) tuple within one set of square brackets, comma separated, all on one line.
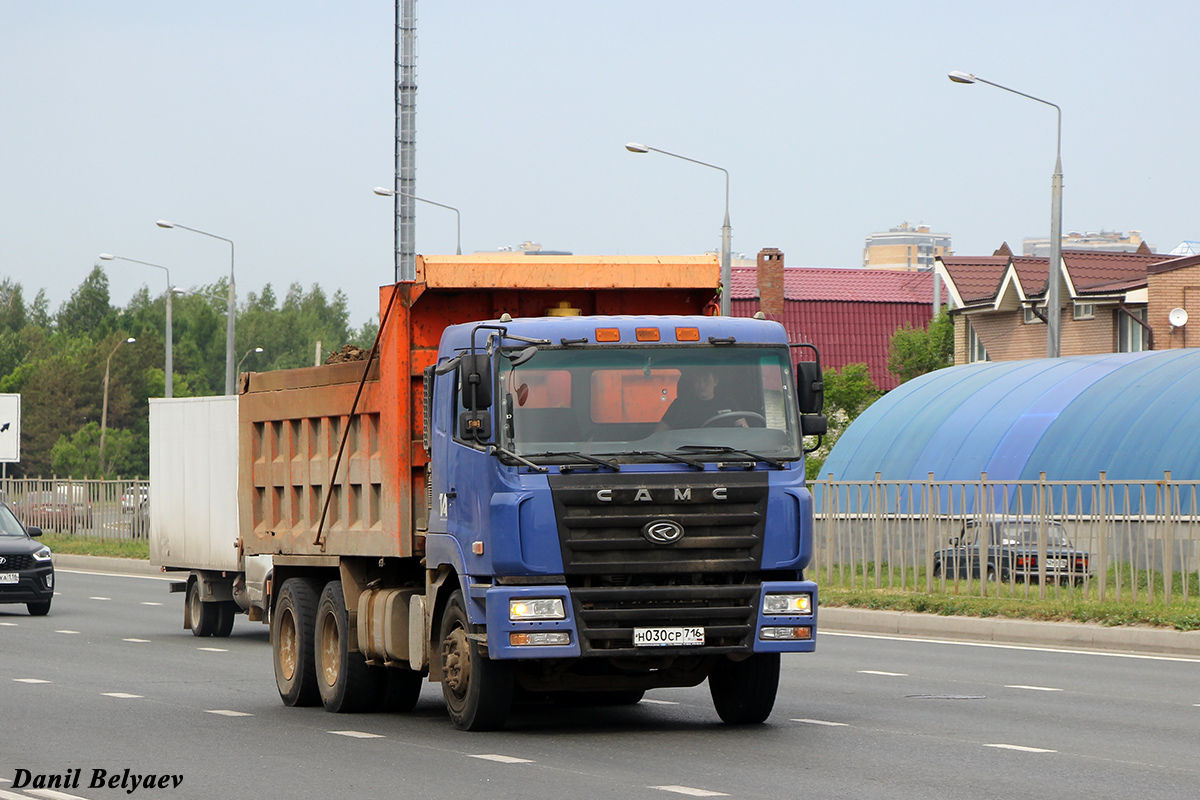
[(770, 282)]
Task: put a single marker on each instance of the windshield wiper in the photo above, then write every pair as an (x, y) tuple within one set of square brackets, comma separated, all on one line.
[(691, 462), (521, 459), (720, 448), (614, 466)]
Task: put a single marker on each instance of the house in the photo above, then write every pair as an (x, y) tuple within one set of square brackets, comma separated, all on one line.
[(849, 314), (1111, 303)]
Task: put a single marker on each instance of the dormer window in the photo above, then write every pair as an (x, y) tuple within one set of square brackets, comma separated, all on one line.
[(1030, 317)]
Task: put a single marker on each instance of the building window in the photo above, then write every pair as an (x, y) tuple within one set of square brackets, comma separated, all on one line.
[(975, 349), (1132, 337), (1085, 311), (1030, 317)]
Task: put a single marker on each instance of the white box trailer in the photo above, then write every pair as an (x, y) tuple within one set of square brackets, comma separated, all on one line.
[(194, 512)]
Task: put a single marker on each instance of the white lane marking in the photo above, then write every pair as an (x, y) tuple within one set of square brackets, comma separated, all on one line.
[(659, 702), (688, 790), (823, 722), (1031, 688), (1021, 748), (1027, 647), (53, 795), (122, 695), (30, 680), (115, 574), (151, 604), (213, 649), (99, 598), (66, 631), (142, 641), (10, 624), (357, 734), (885, 674), (224, 712), (500, 758), (12, 795)]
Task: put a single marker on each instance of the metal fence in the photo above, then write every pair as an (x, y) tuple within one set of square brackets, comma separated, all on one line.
[(117, 509), (1105, 540)]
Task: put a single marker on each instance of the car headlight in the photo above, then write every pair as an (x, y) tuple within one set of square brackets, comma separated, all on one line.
[(42, 555), (780, 604), (520, 610)]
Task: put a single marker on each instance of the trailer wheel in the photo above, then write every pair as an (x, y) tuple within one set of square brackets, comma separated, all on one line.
[(743, 692), (226, 612), (292, 643), (399, 688), (478, 691), (202, 617), (345, 681)]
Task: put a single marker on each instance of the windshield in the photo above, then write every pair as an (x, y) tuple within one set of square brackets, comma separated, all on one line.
[(1025, 534), (641, 403), (8, 523)]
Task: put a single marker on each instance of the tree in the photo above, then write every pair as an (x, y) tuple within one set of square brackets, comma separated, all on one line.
[(87, 312), (847, 394), (916, 351)]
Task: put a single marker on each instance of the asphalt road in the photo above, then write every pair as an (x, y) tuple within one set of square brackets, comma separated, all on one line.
[(111, 681)]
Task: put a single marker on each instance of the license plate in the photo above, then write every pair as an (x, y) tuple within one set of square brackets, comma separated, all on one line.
[(1056, 563), (667, 637), (9, 577)]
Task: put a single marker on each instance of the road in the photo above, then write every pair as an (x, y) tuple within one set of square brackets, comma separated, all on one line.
[(111, 681)]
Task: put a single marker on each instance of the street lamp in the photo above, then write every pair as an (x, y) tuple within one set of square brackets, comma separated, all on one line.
[(1054, 278), (382, 192), (104, 405), (229, 325), (726, 232), (248, 352), (169, 390)]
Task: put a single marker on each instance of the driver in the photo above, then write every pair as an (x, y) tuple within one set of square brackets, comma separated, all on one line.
[(696, 402)]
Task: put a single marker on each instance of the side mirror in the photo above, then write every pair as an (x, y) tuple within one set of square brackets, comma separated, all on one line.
[(475, 380), (810, 387), (813, 425), (34, 531)]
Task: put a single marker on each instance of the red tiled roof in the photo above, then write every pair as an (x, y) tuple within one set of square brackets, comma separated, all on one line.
[(1091, 269), (842, 285), (1033, 273), (976, 278)]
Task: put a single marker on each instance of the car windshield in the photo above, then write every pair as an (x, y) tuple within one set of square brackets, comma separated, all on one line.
[(651, 403), (1025, 534), (8, 523)]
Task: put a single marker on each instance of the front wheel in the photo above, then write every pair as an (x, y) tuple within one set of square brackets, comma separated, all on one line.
[(743, 692), (39, 609), (478, 691)]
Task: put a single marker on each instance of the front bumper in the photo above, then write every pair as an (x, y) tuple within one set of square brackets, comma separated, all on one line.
[(33, 586), (600, 623)]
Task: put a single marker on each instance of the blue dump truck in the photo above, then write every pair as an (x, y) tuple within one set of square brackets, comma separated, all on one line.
[(537, 492)]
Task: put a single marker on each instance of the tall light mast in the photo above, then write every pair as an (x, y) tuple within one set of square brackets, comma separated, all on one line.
[(406, 140)]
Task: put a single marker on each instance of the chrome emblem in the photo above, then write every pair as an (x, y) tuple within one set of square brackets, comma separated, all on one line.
[(3, 560), (662, 531)]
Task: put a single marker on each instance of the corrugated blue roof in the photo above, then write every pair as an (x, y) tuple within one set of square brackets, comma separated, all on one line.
[(1132, 415)]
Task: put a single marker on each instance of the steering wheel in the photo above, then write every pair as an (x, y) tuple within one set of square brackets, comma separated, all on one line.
[(728, 415)]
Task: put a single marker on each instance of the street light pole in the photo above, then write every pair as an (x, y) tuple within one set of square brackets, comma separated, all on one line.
[(383, 192), (1054, 278), (169, 389), (104, 405), (231, 313), (726, 231)]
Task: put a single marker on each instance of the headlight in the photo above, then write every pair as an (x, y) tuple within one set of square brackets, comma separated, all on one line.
[(780, 604), (42, 555), (546, 608)]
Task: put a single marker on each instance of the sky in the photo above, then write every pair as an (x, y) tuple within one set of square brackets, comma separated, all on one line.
[(269, 123)]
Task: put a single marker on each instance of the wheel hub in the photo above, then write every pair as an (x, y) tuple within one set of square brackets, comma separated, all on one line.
[(288, 649), (456, 661)]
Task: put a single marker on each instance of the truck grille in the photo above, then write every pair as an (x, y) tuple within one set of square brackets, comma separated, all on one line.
[(601, 518)]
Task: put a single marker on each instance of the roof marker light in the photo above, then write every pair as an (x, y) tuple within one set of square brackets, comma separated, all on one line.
[(687, 334), (608, 335), (647, 334)]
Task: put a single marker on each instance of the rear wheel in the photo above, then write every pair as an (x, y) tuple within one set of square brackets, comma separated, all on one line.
[(39, 609), (399, 689), (227, 611), (345, 681), (292, 643), (478, 691), (202, 617), (743, 692)]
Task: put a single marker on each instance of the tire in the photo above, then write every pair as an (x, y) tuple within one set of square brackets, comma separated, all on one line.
[(227, 611), (202, 617), (292, 625), (478, 691), (345, 682), (743, 692), (39, 609), (399, 689)]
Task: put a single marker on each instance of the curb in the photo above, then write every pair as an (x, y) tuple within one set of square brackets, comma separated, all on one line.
[(1126, 639)]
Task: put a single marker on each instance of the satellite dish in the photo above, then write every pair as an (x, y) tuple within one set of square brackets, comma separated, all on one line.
[(1178, 317)]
